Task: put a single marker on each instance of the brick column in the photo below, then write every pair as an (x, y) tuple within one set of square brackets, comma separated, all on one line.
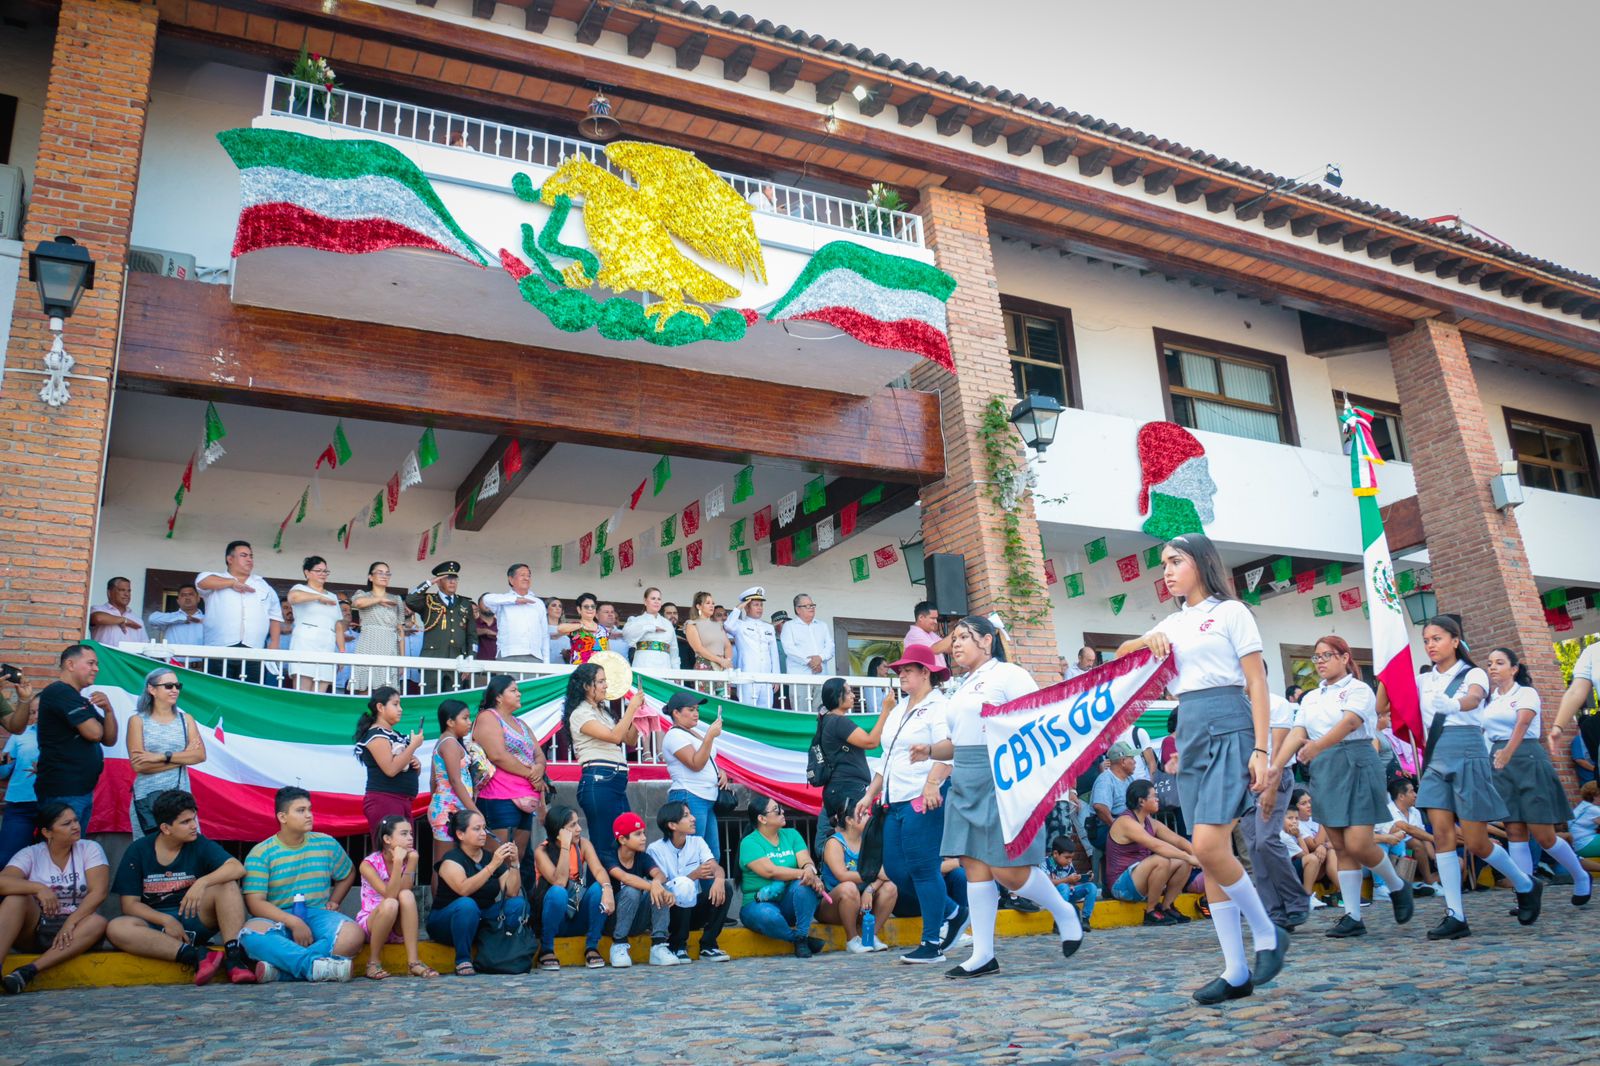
[(1480, 569), (957, 512), (52, 460)]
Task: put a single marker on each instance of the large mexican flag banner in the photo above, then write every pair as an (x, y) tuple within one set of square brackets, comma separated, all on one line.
[(259, 739)]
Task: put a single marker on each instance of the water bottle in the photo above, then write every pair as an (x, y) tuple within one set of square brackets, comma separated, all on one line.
[(770, 892), (869, 930), (298, 907)]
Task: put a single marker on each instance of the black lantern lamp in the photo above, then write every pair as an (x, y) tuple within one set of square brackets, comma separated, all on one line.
[(63, 270), (1035, 417), (916, 565)]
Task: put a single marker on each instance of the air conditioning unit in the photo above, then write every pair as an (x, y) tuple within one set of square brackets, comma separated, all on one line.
[(10, 203), (159, 261)]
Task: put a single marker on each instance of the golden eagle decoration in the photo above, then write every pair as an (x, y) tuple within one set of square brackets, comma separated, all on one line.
[(632, 227)]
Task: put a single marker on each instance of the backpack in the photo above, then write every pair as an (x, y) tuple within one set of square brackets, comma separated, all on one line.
[(819, 764)]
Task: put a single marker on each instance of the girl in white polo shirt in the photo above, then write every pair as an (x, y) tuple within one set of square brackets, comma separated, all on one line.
[(1223, 715)]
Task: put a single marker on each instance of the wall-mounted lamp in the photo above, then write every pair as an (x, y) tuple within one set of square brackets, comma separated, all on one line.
[(63, 270)]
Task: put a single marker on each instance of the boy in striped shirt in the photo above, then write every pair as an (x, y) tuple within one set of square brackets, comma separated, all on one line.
[(298, 862)]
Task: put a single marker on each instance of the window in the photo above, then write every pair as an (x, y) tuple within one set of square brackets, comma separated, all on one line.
[(1552, 453), (1039, 341), (1386, 426), (1223, 389)]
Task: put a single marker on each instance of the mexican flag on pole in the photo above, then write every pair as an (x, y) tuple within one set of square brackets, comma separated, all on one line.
[(275, 737), (1391, 643)]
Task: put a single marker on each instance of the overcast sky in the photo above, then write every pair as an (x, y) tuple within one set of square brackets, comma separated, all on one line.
[(1483, 110)]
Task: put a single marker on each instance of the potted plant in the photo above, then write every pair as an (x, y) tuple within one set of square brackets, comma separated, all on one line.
[(313, 70), (876, 217)]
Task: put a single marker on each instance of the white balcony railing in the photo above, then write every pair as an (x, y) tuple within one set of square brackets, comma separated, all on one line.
[(287, 98), (796, 694)]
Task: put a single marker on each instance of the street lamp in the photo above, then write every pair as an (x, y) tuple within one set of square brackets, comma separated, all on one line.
[(1035, 417), (916, 565), (62, 269), (1421, 602)]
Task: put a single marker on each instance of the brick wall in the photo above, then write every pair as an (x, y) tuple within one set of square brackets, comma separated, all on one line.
[(957, 513), (1480, 569), (52, 459)]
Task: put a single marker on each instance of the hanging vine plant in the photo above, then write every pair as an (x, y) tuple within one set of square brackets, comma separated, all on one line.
[(1024, 597)]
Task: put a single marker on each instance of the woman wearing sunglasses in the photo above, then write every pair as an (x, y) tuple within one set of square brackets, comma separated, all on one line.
[(163, 743)]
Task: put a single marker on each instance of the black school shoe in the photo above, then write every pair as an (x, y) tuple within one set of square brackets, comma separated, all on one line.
[(1269, 963), (1528, 904), (1070, 946), (959, 974), (1347, 927), (1220, 991), (1451, 928), (1404, 903)]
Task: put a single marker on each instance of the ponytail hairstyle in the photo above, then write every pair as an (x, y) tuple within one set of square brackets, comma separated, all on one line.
[(370, 569), (380, 695), (494, 690), (459, 820), (1452, 625), (578, 683), (1207, 563), (1340, 646), (311, 562), (388, 825), (843, 808), (832, 694), (1519, 668), (447, 713), (979, 627)]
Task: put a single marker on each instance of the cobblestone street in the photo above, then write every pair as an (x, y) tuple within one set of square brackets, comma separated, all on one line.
[(1506, 995)]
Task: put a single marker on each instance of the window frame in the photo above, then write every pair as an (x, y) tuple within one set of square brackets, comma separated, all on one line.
[(1062, 317), (1277, 364), (1387, 408), (1582, 430)]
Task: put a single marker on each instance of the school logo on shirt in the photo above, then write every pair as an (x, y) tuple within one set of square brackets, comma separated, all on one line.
[(1206, 624)]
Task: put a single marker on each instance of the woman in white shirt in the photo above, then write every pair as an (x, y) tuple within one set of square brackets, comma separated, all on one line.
[(972, 817), (1224, 714), (695, 775), (1457, 777), (1333, 737), (1523, 774), (319, 626)]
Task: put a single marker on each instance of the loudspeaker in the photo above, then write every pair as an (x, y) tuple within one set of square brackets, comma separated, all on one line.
[(947, 583)]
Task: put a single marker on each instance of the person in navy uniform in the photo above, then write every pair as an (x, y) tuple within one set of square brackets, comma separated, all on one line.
[(449, 623)]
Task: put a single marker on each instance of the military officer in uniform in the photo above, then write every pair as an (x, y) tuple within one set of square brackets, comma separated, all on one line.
[(449, 624), (756, 643)]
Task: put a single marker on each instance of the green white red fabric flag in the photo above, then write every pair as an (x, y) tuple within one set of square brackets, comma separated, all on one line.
[(1391, 643)]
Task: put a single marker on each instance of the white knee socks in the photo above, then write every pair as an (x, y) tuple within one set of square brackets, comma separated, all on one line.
[(1522, 855), (983, 903), (1230, 934), (1449, 864), (1562, 852), (1263, 934), (1350, 889), (1498, 859), (1039, 889), (1385, 872)]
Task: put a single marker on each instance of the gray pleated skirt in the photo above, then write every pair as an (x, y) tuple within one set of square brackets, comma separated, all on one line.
[(1530, 787), (1347, 786), (1460, 778), (1215, 736), (971, 817)]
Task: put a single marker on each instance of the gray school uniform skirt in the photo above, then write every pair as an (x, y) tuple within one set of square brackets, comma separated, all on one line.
[(1215, 737), (1530, 787), (1460, 778), (1347, 786), (972, 818)]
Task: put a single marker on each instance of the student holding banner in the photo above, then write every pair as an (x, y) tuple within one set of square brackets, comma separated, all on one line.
[(1223, 715), (972, 816)]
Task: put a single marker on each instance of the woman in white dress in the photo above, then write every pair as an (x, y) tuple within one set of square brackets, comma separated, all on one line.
[(318, 626)]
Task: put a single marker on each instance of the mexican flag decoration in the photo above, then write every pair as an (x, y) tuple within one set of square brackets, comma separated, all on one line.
[(211, 449), (1391, 646), (1175, 486)]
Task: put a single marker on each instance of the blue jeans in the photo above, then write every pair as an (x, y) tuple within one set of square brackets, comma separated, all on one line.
[(788, 918), (16, 831), (1125, 889), (705, 818), (82, 806), (603, 794), (458, 923), (911, 858), (636, 913), (1084, 892), (277, 948), (554, 921)]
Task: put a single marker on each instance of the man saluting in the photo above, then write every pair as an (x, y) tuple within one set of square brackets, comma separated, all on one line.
[(449, 624)]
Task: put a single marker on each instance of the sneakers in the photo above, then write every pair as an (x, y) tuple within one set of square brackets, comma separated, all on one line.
[(1315, 903), (816, 944), (802, 948), (714, 954), (1347, 927), (952, 928), (923, 953), (880, 944), (241, 974), (330, 968), (1528, 903), (266, 973), (210, 966), (661, 955), (1177, 916), (1157, 917), (1423, 891), (17, 981), (683, 956), (619, 956), (1451, 928), (855, 947)]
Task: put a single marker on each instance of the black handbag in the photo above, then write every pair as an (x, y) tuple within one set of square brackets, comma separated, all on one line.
[(504, 946)]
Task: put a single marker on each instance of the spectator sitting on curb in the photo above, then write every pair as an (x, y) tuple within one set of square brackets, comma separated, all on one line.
[(1076, 888), (701, 889), (643, 899)]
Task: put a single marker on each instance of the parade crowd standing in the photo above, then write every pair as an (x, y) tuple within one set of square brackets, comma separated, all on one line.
[(1268, 807)]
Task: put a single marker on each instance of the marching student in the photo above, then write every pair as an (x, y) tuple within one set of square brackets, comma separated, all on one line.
[(1333, 735), (1457, 777), (1523, 774), (972, 816), (1223, 719)]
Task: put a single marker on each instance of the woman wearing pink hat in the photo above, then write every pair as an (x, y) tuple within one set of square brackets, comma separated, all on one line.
[(913, 788)]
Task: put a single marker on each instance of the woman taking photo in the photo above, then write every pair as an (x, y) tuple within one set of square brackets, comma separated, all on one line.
[(1336, 725), (573, 894), (318, 626), (706, 636), (453, 782), (379, 631), (845, 744), (512, 794), (972, 817), (1458, 778), (52, 892), (696, 779), (163, 743), (913, 788), (1522, 772), (586, 636), (597, 745), (388, 911), (1224, 713), (390, 759), (476, 884)]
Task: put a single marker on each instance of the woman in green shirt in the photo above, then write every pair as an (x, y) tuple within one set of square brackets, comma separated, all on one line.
[(781, 886)]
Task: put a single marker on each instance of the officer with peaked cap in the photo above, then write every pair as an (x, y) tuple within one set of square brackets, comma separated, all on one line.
[(449, 623), (756, 642)]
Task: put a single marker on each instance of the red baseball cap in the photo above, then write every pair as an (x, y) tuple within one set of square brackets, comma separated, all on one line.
[(626, 823)]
